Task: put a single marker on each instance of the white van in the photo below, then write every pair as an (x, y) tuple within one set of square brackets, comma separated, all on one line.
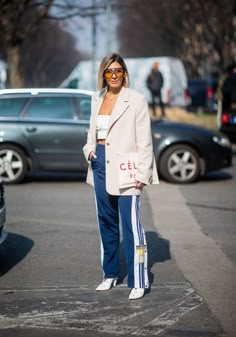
[(174, 91), (3, 74)]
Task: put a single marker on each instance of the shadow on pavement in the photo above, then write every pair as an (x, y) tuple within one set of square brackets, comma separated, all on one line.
[(158, 251), (13, 250), (216, 176)]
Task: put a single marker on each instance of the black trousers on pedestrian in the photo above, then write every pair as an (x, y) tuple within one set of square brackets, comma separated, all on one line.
[(157, 96)]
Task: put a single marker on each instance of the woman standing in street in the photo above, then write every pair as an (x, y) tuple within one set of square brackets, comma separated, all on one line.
[(119, 124)]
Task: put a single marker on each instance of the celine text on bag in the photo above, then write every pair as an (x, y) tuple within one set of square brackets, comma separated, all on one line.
[(127, 169)]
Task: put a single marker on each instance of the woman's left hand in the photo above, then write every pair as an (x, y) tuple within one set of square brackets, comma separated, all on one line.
[(138, 184)]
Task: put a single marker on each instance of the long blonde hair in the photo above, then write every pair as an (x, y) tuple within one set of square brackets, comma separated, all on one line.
[(106, 61)]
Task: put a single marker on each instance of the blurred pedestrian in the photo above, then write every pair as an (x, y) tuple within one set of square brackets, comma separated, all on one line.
[(119, 124), (155, 84)]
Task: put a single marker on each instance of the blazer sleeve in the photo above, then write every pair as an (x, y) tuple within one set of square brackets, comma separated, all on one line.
[(144, 142), (91, 137)]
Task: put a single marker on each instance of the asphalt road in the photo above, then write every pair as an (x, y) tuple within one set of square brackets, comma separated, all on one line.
[(50, 263), (213, 204)]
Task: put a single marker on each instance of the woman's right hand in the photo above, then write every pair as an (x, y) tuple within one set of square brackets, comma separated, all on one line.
[(92, 154)]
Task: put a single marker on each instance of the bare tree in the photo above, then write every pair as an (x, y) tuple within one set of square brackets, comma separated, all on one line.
[(209, 34), (200, 32), (15, 27), (48, 56), (19, 20), (147, 29)]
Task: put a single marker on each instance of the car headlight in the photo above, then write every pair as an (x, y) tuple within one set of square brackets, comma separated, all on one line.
[(222, 140)]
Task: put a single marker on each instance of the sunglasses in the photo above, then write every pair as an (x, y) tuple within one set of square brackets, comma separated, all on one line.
[(108, 73)]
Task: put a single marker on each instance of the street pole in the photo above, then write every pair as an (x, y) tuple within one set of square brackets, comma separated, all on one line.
[(108, 28), (93, 75)]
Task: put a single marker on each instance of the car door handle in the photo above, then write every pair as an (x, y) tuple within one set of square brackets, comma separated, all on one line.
[(32, 129)]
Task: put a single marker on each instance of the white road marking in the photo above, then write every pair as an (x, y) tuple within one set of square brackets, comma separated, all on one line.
[(81, 308), (169, 318)]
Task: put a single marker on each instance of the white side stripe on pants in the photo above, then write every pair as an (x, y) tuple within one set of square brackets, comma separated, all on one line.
[(140, 269)]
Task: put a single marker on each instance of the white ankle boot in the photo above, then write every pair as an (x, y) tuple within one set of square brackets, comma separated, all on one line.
[(136, 293), (107, 283)]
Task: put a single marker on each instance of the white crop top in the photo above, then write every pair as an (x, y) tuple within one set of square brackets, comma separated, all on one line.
[(102, 126)]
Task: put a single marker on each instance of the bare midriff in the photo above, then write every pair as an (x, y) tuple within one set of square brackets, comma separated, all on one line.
[(101, 141)]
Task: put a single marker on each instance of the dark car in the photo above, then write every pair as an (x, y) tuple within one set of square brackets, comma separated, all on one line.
[(46, 129), (202, 94), (186, 152), (227, 123), (226, 116), (3, 233)]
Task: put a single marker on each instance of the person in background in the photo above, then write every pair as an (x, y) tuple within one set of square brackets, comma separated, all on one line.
[(119, 124), (229, 89), (155, 84)]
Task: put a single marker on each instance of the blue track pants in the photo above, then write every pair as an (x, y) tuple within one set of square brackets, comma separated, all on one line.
[(108, 209)]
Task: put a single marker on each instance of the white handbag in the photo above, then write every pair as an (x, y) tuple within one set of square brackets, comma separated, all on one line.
[(127, 169)]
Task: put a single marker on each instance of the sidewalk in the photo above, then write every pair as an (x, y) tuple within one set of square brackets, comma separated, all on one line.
[(202, 262), (176, 114)]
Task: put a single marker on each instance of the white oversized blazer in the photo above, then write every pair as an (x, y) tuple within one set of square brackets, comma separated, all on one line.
[(129, 131)]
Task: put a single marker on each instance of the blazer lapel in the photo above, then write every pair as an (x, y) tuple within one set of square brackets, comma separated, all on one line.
[(121, 105), (99, 99)]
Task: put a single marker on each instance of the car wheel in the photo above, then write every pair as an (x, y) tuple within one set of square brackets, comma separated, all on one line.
[(180, 164), (13, 164)]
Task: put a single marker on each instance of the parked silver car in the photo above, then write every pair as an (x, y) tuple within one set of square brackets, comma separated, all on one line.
[(42, 130)]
